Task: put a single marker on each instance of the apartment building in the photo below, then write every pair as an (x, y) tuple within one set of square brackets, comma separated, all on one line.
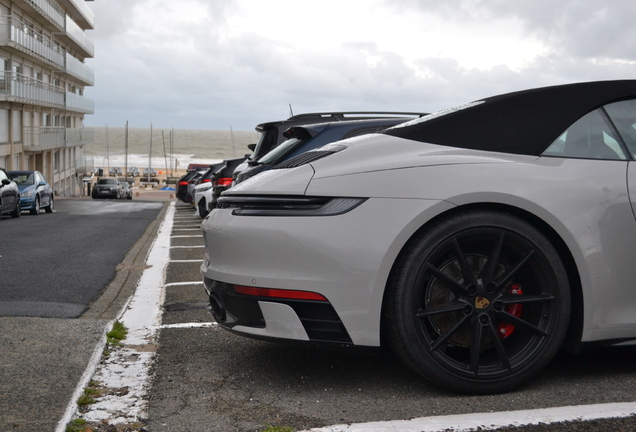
[(43, 48)]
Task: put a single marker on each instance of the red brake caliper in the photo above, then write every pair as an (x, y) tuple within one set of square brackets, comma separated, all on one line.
[(505, 330)]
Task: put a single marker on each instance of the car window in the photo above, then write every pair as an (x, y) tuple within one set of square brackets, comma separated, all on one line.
[(623, 114), (590, 137), (279, 152)]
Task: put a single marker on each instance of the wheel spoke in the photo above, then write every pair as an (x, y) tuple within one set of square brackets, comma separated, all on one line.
[(475, 346), (442, 309), (467, 273), (514, 299), (515, 268), (518, 322), (455, 287), (453, 328), (501, 352), (489, 270)]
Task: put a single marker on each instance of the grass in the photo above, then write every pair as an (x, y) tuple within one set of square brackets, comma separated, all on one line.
[(117, 334), (77, 425)]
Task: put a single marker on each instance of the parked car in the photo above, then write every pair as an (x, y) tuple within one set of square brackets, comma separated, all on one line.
[(35, 191), (126, 190), (9, 196), (224, 179), (478, 241), (107, 188), (272, 133), (149, 172), (202, 192), (133, 172), (182, 185), (115, 171), (301, 139)]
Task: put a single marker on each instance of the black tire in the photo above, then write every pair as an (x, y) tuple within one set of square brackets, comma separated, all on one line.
[(17, 210), (49, 208), (36, 206), (452, 296), (203, 210)]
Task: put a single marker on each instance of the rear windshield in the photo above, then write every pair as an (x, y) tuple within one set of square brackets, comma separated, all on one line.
[(107, 182)]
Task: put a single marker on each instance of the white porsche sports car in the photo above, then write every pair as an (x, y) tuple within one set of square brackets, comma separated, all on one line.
[(476, 241)]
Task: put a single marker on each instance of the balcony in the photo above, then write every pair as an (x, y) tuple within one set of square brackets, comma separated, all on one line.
[(19, 88), (75, 137), (79, 70), (40, 138), (47, 12), (80, 104), (75, 36), (80, 12), (19, 37)]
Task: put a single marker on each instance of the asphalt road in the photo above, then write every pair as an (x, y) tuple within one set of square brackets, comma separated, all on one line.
[(207, 379), (54, 265)]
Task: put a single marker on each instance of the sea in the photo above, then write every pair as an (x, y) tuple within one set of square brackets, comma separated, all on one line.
[(167, 150)]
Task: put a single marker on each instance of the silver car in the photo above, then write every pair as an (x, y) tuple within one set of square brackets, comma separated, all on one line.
[(476, 241)]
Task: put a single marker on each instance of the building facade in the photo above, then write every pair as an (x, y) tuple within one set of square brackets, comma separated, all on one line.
[(43, 48)]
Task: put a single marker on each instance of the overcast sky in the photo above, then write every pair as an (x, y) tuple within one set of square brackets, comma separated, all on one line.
[(216, 64)]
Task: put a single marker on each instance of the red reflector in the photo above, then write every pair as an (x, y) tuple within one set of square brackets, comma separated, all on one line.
[(206, 181), (183, 183), (225, 181), (278, 293)]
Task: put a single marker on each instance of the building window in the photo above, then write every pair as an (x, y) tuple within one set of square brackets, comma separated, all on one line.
[(56, 161)]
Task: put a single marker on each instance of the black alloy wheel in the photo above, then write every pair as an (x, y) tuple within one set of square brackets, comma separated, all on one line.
[(478, 303), (49, 208), (36, 206)]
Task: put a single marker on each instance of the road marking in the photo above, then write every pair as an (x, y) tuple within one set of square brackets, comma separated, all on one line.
[(183, 283), (491, 420), (186, 261), (189, 325), (187, 247), (186, 236)]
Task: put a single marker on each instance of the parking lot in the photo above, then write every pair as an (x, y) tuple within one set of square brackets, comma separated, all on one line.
[(209, 379)]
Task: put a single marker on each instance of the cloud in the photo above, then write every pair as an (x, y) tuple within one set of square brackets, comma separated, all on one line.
[(212, 65)]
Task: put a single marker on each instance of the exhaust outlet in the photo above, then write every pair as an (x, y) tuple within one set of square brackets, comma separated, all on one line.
[(216, 308)]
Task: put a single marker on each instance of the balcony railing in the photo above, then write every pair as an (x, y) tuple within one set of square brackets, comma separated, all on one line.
[(15, 87), (19, 36), (79, 70), (52, 13), (79, 136), (79, 103), (78, 37), (80, 12), (38, 138)]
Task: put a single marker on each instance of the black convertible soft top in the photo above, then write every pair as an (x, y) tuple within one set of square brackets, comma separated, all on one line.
[(524, 122)]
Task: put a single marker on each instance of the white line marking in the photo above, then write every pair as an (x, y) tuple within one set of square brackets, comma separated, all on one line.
[(189, 325), (490, 421), (183, 283), (186, 247), (186, 236), (186, 261)]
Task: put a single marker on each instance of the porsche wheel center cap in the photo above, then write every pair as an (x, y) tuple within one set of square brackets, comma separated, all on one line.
[(481, 303)]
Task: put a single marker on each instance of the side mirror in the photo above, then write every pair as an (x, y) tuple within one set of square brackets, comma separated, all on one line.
[(42, 183), (6, 182), (251, 146)]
